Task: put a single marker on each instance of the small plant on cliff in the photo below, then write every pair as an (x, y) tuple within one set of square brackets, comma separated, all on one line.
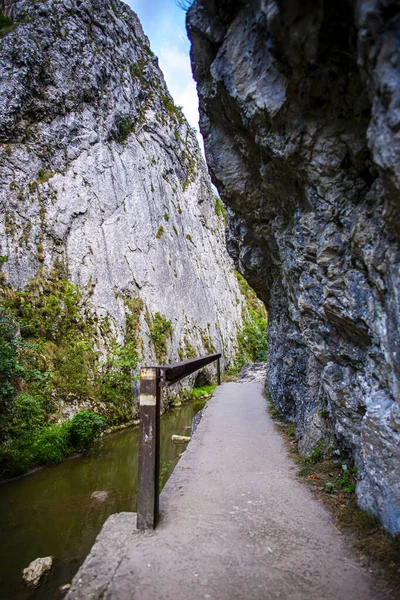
[(6, 25), (219, 208), (175, 112), (159, 331), (125, 128), (160, 232)]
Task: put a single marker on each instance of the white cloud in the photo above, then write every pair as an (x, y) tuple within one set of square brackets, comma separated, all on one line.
[(164, 23), (175, 64)]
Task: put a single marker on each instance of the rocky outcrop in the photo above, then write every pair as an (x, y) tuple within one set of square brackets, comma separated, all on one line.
[(300, 112), (252, 373), (36, 569), (102, 177)]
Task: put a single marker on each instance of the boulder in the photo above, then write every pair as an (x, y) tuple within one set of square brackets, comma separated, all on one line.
[(36, 569)]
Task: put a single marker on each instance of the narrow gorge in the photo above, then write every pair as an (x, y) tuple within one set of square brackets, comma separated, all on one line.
[(300, 113), (112, 241), (115, 252)]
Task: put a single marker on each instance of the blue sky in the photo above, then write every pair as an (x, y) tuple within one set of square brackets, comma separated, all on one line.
[(163, 22)]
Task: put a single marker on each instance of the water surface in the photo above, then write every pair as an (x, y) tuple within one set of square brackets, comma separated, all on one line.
[(51, 512)]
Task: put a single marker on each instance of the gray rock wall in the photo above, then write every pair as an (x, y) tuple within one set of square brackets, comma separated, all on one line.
[(300, 112), (99, 170)]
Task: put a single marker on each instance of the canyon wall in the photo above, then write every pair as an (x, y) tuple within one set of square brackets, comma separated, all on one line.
[(103, 183), (300, 113)]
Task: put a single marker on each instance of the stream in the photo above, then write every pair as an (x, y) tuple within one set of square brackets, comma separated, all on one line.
[(51, 512)]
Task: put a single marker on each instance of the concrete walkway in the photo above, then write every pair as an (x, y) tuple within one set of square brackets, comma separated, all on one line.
[(235, 525)]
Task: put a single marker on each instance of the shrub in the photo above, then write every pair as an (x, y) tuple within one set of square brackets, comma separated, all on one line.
[(16, 457), (125, 128), (26, 415), (85, 428), (52, 444), (11, 367)]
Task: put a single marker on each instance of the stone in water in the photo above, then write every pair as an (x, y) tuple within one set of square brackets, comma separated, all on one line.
[(180, 439), (36, 569)]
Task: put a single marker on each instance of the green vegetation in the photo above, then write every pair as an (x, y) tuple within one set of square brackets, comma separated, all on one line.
[(116, 370), (166, 469), (114, 8), (207, 342), (186, 350), (220, 209), (189, 238), (125, 128), (138, 73), (191, 169), (33, 441), (43, 176), (205, 390), (160, 232), (85, 429), (315, 456), (342, 474), (6, 25), (48, 355), (252, 339), (166, 217), (160, 329), (174, 112)]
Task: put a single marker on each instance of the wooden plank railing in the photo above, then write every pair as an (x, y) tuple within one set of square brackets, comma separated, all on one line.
[(152, 379)]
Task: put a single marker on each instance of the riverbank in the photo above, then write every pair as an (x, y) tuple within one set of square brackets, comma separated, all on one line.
[(52, 511)]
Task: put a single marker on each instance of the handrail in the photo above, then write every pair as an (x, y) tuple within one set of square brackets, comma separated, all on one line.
[(152, 379), (173, 373)]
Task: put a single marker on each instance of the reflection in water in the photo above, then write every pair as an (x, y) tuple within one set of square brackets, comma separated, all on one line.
[(52, 512)]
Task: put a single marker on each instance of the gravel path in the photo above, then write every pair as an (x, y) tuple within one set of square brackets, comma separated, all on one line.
[(236, 524)]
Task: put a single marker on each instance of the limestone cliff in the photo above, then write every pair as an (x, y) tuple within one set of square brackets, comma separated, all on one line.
[(300, 112), (103, 183)]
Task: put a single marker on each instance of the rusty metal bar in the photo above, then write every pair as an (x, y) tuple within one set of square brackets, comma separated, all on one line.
[(151, 380), (174, 373), (149, 448)]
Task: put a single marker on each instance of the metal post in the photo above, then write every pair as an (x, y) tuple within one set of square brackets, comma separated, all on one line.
[(218, 372), (149, 448)]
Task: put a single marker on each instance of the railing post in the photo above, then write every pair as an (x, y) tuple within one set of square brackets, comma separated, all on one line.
[(218, 372), (149, 448)]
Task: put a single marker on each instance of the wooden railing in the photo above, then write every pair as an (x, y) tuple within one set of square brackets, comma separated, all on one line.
[(152, 380)]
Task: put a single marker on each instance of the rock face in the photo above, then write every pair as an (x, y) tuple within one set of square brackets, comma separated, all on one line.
[(100, 172), (300, 112), (253, 373)]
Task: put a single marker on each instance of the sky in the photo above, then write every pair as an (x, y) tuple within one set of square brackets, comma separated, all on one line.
[(163, 22)]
